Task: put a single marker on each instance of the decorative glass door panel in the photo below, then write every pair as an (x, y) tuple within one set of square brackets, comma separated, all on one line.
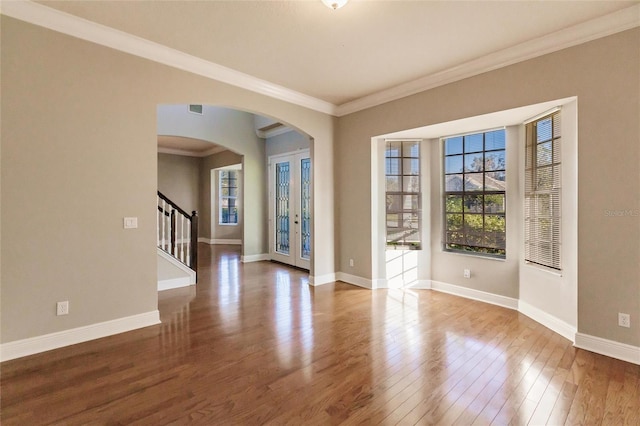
[(282, 216), (305, 208), (290, 209)]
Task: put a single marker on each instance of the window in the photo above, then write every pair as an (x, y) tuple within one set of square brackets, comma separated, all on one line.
[(475, 193), (403, 204), (227, 197), (542, 192)]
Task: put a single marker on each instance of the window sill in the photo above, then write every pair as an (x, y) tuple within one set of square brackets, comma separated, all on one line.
[(475, 256), (543, 269), (228, 224)]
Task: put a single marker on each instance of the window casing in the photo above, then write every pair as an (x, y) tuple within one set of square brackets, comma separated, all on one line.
[(227, 197), (475, 193), (542, 193), (402, 196)]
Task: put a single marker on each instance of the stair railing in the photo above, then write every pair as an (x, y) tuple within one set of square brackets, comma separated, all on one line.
[(177, 231)]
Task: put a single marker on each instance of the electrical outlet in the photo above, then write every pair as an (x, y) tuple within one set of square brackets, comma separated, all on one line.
[(624, 320), (62, 308), (467, 273), (350, 262)]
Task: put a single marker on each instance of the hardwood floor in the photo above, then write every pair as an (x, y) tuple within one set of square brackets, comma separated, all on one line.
[(254, 344)]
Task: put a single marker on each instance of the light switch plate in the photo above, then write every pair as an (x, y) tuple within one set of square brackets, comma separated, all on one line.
[(130, 222)]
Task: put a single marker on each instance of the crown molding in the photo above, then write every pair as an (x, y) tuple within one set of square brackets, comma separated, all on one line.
[(188, 153), (38, 14), (280, 130), (613, 23)]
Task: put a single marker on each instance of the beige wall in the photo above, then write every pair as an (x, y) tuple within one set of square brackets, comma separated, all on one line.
[(79, 152), (603, 74), (179, 179)]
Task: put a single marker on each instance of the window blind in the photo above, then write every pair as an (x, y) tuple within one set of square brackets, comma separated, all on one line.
[(542, 204)]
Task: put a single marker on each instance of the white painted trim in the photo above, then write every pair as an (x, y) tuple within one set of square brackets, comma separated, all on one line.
[(175, 283), (553, 323), (613, 23), (212, 241), (47, 342), (469, 293), (214, 150), (322, 279), (266, 134), (175, 261), (354, 279), (84, 29), (187, 280), (65, 23), (609, 348), (188, 153), (235, 242), (379, 283), (420, 285), (255, 258)]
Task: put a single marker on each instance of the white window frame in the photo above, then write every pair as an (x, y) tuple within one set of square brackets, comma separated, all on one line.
[(228, 197), (470, 249), (532, 253)]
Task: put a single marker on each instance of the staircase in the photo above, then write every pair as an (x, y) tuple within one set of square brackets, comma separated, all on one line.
[(177, 245)]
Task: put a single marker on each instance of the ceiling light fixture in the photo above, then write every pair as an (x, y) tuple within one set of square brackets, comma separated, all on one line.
[(334, 4)]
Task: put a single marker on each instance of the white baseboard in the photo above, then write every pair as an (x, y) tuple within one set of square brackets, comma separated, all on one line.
[(255, 258), (233, 242), (175, 283), (354, 279), (609, 348), (47, 342), (420, 285), (553, 323), (321, 279), (378, 283), (469, 293)]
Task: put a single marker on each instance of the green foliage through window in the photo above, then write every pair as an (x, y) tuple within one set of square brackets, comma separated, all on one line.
[(475, 193)]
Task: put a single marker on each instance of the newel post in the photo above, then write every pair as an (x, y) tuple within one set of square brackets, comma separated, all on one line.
[(194, 242)]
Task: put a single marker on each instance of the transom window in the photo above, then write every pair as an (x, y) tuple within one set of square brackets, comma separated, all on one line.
[(475, 193), (403, 204), (227, 198)]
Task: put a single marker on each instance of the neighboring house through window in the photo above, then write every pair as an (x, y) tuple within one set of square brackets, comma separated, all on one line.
[(475, 193)]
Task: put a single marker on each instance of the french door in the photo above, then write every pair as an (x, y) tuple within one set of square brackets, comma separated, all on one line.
[(290, 209)]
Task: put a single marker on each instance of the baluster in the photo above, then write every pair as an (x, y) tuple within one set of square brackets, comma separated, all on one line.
[(158, 227), (164, 220), (189, 243), (194, 242), (174, 226), (182, 238)]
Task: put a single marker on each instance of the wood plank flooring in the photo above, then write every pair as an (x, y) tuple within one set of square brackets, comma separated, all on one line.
[(254, 344)]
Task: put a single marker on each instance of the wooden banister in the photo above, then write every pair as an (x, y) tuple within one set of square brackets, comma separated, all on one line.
[(178, 232)]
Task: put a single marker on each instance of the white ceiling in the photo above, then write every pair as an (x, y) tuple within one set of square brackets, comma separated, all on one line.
[(344, 55)]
